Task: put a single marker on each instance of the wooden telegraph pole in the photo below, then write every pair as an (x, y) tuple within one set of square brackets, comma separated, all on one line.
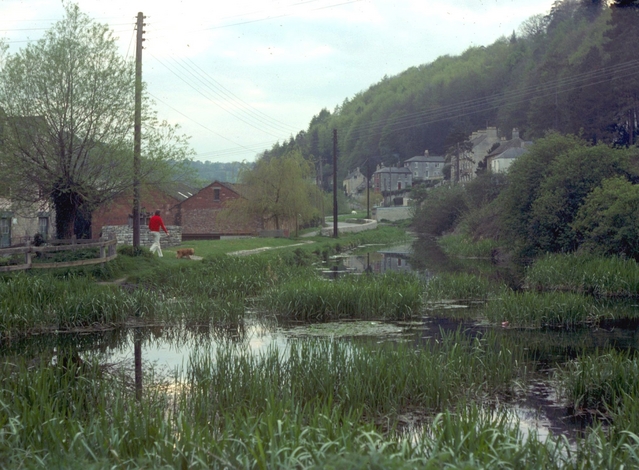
[(137, 131), (334, 183)]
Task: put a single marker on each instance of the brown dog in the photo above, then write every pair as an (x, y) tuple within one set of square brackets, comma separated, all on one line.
[(185, 253)]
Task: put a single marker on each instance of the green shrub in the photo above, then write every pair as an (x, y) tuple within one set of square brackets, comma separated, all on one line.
[(440, 210)]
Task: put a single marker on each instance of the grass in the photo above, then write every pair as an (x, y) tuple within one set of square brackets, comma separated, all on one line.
[(391, 296), (552, 309), (460, 286), (599, 276), (321, 402), (464, 247), (599, 382)]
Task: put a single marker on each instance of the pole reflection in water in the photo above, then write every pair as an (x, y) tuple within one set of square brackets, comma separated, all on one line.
[(137, 352)]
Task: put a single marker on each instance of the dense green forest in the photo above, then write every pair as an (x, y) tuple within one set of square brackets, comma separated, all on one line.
[(574, 71)]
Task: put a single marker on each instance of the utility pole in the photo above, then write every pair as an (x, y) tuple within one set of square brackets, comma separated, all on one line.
[(334, 183), (368, 188), (137, 131), (457, 168)]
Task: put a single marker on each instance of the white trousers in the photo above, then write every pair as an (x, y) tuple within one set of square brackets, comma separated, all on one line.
[(156, 244)]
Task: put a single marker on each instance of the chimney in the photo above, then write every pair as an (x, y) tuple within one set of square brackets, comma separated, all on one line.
[(426, 152), (515, 133)]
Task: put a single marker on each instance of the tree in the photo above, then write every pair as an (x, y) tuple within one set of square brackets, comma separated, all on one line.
[(607, 223), (276, 190), (547, 186), (69, 101)]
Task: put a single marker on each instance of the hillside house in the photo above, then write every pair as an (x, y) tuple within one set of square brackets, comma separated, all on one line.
[(426, 167), (390, 179), (464, 166), (354, 183), (502, 155)]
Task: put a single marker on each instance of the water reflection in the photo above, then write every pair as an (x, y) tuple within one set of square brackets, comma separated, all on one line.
[(396, 259)]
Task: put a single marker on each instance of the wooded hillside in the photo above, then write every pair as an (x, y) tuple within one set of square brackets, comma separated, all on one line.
[(574, 70)]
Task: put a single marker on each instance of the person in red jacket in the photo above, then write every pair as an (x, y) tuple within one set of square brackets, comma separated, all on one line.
[(155, 224)]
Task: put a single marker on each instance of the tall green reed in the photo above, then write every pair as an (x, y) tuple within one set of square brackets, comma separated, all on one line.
[(391, 296), (460, 286), (599, 276), (551, 309)]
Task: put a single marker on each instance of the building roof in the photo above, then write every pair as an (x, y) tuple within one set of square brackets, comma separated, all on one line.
[(393, 169), (426, 159), (508, 144)]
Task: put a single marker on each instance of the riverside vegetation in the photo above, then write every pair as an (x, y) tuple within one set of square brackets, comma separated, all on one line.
[(321, 402)]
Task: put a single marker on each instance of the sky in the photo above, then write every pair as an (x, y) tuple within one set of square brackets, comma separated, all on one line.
[(239, 76)]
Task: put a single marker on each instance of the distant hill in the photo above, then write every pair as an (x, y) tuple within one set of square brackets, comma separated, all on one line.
[(207, 172), (574, 70)]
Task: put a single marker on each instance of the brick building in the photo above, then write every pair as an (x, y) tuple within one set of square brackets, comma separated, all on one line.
[(199, 215), (119, 211)]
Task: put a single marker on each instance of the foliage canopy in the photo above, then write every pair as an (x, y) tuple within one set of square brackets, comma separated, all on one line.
[(68, 99)]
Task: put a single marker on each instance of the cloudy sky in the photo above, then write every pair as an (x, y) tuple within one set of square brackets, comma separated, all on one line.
[(241, 75)]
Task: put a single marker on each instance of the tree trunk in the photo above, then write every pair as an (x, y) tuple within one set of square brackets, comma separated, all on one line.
[(66, 203)]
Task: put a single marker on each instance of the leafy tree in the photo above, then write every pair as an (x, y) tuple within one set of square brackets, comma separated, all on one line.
[(69, 101), (548, 184), (607, 222), (276, 190)]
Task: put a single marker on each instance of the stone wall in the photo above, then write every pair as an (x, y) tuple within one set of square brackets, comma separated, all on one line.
[(124, 235), (393, 213)]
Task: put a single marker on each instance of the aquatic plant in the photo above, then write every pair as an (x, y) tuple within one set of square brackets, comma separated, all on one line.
[(551, 309), (320, 404), (460, 286), (392, 295), (599, 382), (600, 276), (464, 247)]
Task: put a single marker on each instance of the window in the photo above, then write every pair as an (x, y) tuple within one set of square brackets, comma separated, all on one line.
[(216, 194)]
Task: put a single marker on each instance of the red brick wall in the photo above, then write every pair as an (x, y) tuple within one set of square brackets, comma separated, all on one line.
[(199, 213), (117, 211)]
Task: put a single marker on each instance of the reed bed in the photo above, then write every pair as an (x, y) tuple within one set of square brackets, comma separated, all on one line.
[(320, 404), (463, 247), (601, 382), (551, 309), (319, 401), (223, 276), (30, 304), (460, 286), (606, 277), (390, 296)]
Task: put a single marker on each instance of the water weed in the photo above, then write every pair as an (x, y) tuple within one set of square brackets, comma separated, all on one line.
[(391, 296), (460, 286), (606, 277), (551, 309), (464, 247)]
